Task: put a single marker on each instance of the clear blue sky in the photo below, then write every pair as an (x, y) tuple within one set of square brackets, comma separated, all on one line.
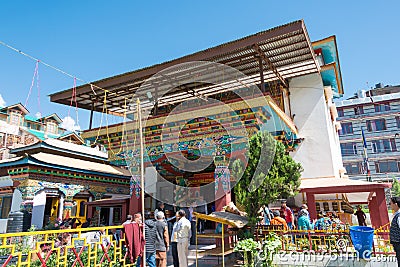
[(98, 39)]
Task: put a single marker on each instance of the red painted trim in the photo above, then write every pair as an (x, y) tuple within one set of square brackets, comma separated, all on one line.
[(345, 188)]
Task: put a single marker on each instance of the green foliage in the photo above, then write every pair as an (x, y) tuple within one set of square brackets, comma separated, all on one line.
[(270, 246), (396, 188), (250, 249), (247, 245), (269, 175)]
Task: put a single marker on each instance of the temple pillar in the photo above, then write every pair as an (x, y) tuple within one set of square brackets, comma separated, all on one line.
[(61, 207), (67, 208), (373, 212), (222, 192), (28, 193), (312, 208), (222, 187), (382, 210), (69, 191)]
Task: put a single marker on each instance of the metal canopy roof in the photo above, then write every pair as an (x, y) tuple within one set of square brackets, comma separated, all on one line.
[(284, 52)]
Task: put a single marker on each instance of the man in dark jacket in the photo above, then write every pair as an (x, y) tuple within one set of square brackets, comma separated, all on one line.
[(395, 227), (150, 237), (162, 240)]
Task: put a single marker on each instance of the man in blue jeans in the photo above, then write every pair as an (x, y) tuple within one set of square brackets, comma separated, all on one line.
[(150, 237)]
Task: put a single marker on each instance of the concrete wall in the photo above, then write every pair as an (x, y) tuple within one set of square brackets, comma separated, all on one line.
[(39, 204), (319, 153), (16, 201)]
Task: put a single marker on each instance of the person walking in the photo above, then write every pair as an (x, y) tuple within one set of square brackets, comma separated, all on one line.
[(395, 227), (162, 240), (183, 232), (361, 217)]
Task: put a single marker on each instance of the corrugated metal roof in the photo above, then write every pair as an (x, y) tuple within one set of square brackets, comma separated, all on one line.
[(287, 47)]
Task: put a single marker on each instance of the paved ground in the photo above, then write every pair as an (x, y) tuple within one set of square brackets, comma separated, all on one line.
[(208, 261)]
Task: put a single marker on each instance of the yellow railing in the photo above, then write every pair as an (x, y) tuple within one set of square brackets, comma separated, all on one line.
[(335, 241), (99, 246)]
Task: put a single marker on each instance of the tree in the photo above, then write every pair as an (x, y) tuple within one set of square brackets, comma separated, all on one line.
[(270, 174), (396, 188)]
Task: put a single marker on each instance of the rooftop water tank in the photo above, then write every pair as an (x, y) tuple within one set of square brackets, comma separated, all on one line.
[(361, 94)]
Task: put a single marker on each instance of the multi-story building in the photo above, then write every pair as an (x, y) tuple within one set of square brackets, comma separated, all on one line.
[(18, 128), (370, 123), (51, 173)]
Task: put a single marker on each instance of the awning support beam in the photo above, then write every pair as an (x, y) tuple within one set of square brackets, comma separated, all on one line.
[(270, 65)]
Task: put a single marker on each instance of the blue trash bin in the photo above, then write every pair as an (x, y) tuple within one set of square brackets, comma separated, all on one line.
[(362, 238)]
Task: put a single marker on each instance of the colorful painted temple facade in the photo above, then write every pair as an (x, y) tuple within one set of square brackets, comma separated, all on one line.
[(53, 179), (185, 127)]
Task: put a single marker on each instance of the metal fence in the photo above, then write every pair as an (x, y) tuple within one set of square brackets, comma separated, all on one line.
[(99, 246), (332, 241)]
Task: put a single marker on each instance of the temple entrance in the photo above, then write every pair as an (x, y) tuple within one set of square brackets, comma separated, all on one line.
[(51, 210)]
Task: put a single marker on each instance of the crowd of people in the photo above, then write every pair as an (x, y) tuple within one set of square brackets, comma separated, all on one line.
[(156, 239), (287, 218)]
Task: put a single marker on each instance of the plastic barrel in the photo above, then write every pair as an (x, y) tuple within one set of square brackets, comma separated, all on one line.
[(362, 238)]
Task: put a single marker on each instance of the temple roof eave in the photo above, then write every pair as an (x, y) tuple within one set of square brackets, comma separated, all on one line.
[(29, 160)]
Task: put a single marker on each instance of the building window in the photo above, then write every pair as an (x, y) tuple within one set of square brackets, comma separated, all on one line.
[(398, 121), (51, 127), (340, 112), (358, 110), (348, 149), (382, 107), (353, 168), (15, 118), (387, 166), (347, 128), (384, 145), (376, 125), (5, 203)]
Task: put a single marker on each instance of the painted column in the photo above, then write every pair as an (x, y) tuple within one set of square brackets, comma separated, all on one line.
[(28, 193), (61, 207), (69, 191), (222, 178), (382, 210), (68, 204), (222, 187), (374, 212), (312, 209)]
